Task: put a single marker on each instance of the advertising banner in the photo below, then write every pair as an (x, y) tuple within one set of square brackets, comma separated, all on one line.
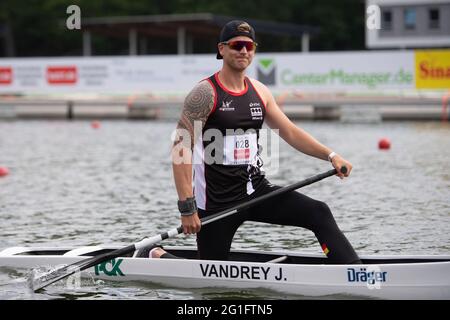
[(355, 71), (362, 71), (114, 75), (432, 69)]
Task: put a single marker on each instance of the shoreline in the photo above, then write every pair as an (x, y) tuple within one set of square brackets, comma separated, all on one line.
[(313, 107)]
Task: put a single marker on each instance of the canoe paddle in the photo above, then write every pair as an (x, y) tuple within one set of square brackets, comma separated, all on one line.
[(38, 282)]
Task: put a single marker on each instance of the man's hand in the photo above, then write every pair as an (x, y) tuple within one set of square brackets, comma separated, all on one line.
[(191, 224), (339, 162)]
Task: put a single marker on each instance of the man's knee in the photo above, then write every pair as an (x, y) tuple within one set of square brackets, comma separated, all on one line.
[(212, 250), (322, 215)]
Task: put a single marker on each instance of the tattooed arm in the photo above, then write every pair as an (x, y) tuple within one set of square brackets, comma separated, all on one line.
[(197, 106)]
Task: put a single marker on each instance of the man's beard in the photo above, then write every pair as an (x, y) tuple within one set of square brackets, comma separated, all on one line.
[(238, 67)]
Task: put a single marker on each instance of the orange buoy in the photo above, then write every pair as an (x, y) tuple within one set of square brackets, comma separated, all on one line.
[(384, 144), (95, 124), (4, 171)]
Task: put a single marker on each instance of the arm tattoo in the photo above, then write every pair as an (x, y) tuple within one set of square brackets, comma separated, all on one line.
[(197, 106)]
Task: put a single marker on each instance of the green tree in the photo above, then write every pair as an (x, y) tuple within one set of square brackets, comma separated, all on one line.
[(37, 27)]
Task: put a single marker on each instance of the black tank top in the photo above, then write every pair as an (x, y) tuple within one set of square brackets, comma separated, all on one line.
[(227, 163)]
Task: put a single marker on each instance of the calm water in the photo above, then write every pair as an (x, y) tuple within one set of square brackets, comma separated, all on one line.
[(71, 185)]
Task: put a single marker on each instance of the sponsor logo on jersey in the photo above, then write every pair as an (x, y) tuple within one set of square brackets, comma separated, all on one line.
[(226, 106), (256, 111)]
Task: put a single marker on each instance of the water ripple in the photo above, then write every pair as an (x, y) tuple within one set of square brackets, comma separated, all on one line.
[(73, 186)]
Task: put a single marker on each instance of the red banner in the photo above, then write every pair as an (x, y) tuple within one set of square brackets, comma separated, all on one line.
[(62, 75), (5, 75)]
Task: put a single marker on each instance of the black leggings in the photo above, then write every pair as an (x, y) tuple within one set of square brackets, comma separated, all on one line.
[(291, 209)]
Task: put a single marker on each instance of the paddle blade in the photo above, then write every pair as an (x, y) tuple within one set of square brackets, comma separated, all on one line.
[(41, 281), (38, 281)]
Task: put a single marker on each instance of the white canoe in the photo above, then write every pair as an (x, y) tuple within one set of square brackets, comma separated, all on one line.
[(385, 277)]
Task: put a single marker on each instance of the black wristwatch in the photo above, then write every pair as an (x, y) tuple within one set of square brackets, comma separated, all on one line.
[(187, 207)]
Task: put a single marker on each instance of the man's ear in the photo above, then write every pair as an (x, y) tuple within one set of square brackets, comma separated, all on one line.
[(220, 48)]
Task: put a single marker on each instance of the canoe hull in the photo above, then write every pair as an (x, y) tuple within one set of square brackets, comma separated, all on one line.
[(418, 280)]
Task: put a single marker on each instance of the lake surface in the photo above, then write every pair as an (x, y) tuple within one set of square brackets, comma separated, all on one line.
[(72, 185)]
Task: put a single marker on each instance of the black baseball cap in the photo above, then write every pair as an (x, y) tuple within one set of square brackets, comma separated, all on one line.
[(233, 29)]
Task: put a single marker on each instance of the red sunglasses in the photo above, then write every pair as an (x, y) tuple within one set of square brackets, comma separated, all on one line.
[(239, 44)]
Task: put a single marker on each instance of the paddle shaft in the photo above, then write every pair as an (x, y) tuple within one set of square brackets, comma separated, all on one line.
[(66, 271), (269, 195), (230, 211)]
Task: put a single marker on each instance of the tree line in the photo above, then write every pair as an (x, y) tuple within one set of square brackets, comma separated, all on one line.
[(36, 27)]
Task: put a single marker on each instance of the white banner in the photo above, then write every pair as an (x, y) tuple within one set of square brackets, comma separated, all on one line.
[(354, 71), (116, 75), (332, 72)]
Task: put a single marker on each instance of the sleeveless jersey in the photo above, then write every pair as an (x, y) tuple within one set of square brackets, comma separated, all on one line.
[(226, 161)]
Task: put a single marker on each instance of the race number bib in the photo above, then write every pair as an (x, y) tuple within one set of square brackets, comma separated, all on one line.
[(240, 149)]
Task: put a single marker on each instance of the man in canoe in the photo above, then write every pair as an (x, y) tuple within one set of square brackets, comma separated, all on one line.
[(232, 104)]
